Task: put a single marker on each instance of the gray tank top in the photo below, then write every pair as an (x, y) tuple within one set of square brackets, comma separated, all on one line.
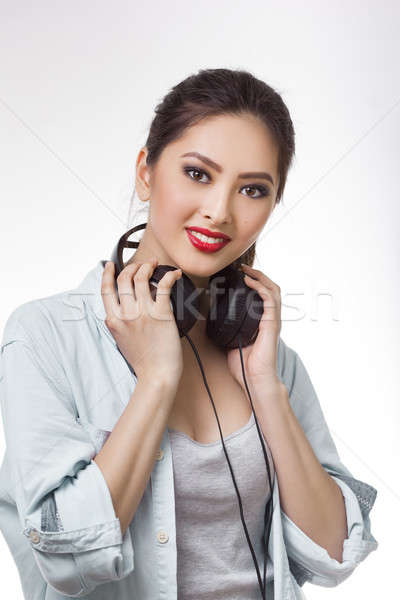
[(214, 561)]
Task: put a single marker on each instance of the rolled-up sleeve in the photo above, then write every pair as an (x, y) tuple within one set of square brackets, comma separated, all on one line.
[(63, 501), (308, 561)]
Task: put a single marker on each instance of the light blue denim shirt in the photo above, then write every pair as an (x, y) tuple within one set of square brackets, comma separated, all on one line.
[(63, 386)]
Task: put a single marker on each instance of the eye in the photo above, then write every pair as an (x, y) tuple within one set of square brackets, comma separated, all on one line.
[(195, 170), (264, 191)]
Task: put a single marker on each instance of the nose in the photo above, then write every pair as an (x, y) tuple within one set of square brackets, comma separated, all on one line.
[(218, 210)]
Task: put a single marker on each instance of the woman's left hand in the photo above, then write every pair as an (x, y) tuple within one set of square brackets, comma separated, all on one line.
[(260, 358)]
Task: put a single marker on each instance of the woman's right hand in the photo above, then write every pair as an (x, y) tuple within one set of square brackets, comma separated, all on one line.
[(144, 329)]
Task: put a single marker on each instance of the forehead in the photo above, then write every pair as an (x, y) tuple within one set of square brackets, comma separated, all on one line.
[(236, 142)]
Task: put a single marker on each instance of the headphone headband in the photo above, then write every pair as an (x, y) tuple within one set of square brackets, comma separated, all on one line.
[(117, 253)]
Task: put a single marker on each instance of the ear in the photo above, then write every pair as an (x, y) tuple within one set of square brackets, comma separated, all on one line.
[(143, 175)]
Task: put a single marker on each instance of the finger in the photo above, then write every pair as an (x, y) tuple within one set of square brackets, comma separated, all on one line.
[(261, 277), (165, 286), (108, 291), (126, 290), (270, 302), (142, 285), (260, 288)]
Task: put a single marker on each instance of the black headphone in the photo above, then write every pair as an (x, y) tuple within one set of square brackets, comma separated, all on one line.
[(236, 316)]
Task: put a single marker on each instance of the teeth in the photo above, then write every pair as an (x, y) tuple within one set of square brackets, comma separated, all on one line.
[(204, 238)]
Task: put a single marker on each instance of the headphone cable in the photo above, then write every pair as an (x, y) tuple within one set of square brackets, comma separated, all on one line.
[(268, 507)]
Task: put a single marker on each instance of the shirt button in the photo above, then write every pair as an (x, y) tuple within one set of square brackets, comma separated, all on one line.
[(34, 535), (162, 537), (160, 454)]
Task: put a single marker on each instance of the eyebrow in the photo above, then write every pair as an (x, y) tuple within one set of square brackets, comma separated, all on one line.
[(217, 167)]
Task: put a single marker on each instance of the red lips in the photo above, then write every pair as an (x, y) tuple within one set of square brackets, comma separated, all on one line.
[(205, 246), (208, 233)]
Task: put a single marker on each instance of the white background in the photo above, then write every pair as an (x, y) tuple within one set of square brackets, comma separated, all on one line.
[(78, 86)]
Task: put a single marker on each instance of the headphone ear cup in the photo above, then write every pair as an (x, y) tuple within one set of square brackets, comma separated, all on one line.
[(185, 312), (235, 311)]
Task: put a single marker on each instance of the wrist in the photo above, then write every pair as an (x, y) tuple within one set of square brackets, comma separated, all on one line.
[(268, 387), (159, 382)]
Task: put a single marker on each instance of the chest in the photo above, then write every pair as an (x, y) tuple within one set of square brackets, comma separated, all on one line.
[(192, 412)]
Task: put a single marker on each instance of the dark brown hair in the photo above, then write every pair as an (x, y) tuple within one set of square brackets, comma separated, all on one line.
[(213, 92)]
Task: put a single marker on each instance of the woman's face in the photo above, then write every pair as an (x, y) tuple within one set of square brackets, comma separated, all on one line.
[(187, 191)]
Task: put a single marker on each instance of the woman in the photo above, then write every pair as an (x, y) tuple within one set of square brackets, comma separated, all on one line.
[(114, 484)]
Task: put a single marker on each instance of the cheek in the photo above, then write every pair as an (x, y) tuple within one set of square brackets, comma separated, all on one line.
[(251, 225), (171, 208), (259, 219)]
